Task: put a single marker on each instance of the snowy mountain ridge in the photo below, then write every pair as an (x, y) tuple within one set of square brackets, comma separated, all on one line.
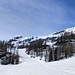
[(20, 40), (70, 30)]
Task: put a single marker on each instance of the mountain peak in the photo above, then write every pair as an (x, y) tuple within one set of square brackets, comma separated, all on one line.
[(70, 30)]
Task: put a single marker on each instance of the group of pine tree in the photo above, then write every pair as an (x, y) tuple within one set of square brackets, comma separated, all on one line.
[(63, 47), (8, 53)]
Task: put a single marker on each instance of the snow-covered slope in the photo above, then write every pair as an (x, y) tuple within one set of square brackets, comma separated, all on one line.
[(29, 66)]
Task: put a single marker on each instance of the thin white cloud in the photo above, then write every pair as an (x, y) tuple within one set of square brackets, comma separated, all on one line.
[(39, 15)]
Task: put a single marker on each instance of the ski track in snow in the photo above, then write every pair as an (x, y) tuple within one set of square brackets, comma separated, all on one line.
[(30, 66)]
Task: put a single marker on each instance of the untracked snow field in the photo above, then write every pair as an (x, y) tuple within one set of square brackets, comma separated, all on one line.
[(30, 66)]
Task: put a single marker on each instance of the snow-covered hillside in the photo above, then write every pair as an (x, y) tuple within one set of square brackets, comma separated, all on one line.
[(30, 66), (20, 40)]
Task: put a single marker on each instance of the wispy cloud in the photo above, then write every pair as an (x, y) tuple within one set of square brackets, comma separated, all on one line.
[(33, 17)]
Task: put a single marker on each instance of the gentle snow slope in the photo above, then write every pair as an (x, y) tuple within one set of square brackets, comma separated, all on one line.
[(29, 66)]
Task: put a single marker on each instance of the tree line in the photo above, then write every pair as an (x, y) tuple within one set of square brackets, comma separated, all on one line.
[(64, 47), (8, 53)]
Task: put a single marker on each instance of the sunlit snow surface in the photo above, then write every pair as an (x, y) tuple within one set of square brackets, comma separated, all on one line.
[(32, 66)]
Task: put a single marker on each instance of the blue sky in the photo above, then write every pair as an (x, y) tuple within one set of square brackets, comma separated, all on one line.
[(35, 17)]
